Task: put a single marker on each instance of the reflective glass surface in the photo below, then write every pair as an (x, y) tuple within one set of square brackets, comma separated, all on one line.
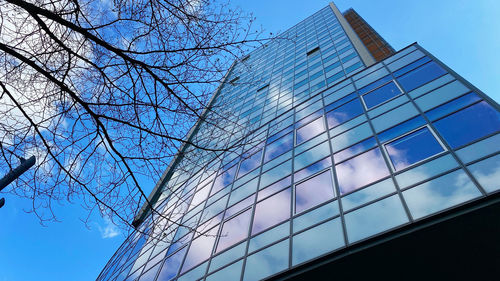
[(374, 218), (171, 265), (271, 211), (381, 95), (234, 230), (412, 148), (319, 240), (313, 191), (279, 147), (440, 193), (420, 76), (267, 262), (361, 170), (469, 124), (310, 130), (344, 113), (250, 163), (487, 173)]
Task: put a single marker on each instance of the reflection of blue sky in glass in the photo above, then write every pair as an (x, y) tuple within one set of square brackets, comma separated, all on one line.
[(279, 147), (469, 124), (361, 170), (381, 95), (355, 149), (412, 148), (171, 265), (420, 76), (313, 191), (311, 169), (344, 113), (250, 163)]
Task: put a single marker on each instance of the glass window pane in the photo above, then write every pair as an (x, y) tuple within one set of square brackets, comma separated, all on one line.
[(381, 95), (452, 106), (273, 188), (224, 179), (375, 218), (420, 76), (361, 170), (355, 149), (250, 163), (401, 129), (227, 256), (269, 236), (312, 155), (315, 216), (441, 95), (319, 240), (313, 191), (412, 148), (479, 149), (344, 113), (279, 147), (267, 262), (232, 272), (276, 173), (234, 230), (272, 211), (312, 169), (487, 173), (426, 171), (393, 117), (469, 124), (200, 249), (441, 193), (310, 130), (351, 137), (171, 265), (367, 194)]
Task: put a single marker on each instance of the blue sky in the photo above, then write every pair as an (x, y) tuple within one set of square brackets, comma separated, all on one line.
[(463, 34)]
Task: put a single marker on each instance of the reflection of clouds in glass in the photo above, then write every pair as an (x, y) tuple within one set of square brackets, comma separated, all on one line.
[(200, 249), (375, 218), (310, 130), (440, 193), (368, 194), (352, 136), (271, 211), (313, 191), (487, 173), (234, 230), (267, 262), (361, 170), (200, 196), (312, 155)]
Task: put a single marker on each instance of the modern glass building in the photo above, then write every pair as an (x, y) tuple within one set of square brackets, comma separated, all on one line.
[(331, 164)]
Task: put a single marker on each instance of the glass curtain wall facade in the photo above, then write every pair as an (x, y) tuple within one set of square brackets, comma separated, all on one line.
[(335, 152)]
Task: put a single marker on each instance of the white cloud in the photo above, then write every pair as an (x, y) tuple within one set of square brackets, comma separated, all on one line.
[(109, 230)]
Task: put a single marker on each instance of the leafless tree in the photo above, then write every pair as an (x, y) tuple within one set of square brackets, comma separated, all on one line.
[(104, 93)]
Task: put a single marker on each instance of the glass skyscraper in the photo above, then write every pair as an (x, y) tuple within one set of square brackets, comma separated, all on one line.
[(322, 149)]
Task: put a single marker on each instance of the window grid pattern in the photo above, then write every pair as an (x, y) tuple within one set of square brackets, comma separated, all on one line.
[(319, 174)]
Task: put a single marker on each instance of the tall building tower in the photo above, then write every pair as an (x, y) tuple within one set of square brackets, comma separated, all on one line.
[(336, 161)]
